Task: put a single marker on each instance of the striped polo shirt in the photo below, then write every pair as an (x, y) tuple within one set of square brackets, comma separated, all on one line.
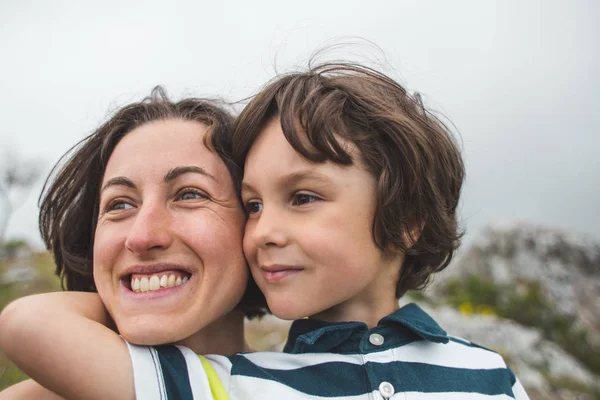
[(406, 356)]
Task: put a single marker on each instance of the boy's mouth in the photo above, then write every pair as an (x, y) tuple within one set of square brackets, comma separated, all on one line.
[(276, 273)]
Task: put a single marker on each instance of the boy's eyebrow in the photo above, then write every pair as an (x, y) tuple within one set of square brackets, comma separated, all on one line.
[(118, 181), (294, 178), (186, 169), (300, 176)]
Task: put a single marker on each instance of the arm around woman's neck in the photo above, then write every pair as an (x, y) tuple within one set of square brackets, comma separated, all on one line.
[(27, 390), (62, 341)]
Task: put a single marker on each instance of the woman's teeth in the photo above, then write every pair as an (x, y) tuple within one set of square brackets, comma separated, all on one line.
[(154, 282)]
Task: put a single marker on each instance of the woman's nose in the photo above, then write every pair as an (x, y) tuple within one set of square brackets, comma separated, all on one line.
[(151, 230)]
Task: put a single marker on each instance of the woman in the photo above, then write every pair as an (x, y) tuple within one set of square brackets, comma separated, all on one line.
[(149, 201)]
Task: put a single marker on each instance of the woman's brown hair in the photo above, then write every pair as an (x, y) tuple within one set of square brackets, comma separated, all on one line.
[(412, 155), (69, 200)]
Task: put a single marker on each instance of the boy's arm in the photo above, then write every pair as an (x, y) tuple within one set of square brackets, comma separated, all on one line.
[(62, 342), (28, 390)]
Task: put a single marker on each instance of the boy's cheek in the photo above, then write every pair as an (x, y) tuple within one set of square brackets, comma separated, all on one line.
[(249, 251)]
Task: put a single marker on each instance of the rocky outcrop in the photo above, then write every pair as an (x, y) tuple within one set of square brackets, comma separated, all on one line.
[(566, 266), (513, 258), (539, 364)]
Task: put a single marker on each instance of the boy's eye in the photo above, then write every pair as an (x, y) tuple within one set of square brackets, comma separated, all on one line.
[(304, 198), (253, 207), (191, 194)]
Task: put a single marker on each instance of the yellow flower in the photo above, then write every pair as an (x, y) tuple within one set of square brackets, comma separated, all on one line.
[(466, 309), (484, 309)]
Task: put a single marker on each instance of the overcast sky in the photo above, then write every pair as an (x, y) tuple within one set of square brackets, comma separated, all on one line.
[(519, 80)]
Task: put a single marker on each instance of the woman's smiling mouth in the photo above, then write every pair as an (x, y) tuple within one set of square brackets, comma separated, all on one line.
[(149, 283), (154, 278)]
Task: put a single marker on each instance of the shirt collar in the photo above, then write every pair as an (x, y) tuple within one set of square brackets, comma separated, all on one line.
[(308, 335)]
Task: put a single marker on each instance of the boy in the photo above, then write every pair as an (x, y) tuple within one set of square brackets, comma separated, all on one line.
[(351, 189)]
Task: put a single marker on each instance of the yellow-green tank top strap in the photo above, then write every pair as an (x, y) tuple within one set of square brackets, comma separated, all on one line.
[(216, 386)]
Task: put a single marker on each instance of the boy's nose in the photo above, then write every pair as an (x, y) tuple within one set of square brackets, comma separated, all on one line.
[(151, 230), (269, 229)]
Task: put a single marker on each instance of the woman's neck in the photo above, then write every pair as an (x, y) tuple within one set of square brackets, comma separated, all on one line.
[(224, 336)]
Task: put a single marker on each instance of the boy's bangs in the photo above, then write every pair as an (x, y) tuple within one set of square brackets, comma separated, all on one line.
[(312, 120)]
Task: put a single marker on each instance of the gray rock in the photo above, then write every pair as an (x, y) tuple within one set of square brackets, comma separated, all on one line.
[(567, 267), (524, 348)]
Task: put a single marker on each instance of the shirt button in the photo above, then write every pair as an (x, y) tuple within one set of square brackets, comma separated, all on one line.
[(376, 339), (386, 389)]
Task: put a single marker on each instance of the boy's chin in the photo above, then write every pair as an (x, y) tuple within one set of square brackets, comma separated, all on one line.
[(288, 312)]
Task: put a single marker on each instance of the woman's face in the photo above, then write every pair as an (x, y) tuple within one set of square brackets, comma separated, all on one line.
[(168, 246)]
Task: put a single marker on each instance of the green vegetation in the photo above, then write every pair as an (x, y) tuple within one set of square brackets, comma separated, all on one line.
[(11, 247), (523, 302), (418, 296), (43, 280)]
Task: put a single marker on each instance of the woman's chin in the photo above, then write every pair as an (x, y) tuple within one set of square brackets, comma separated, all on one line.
[(148, 335)]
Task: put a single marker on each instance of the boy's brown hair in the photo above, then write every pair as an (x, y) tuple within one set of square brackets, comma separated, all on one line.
[(412, 155), (70, 198)]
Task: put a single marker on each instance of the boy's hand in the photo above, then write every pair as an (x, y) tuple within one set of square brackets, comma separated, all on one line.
[(61, 340), (28, 390)]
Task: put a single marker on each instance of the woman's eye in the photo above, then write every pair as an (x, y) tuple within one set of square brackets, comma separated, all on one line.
[(304, 198), (189, 194), (119, 205), (253, 207)]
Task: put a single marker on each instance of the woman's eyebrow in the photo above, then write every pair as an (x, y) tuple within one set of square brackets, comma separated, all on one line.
[(186, 169), (169, 176), (118, 181)]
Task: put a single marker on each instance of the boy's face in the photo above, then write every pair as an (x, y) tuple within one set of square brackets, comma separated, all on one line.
[(308, 238)]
